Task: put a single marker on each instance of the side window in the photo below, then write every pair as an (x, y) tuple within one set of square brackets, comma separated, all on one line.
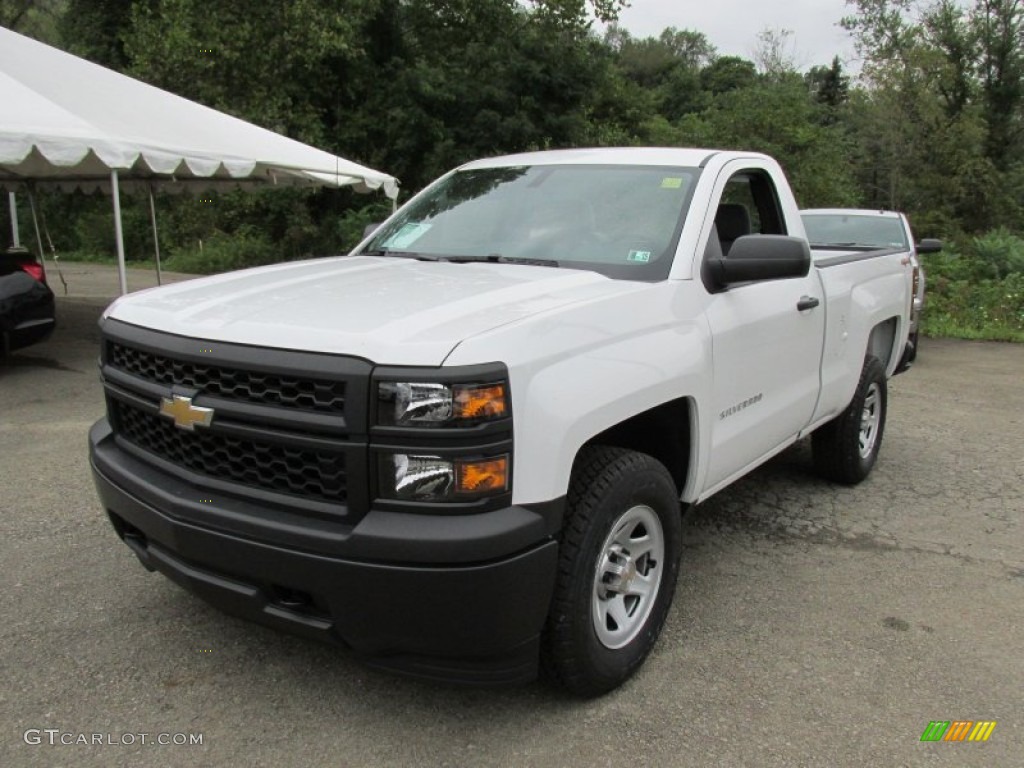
[(749, 206)]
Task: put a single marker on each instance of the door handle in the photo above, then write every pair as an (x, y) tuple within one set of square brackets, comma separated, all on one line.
[(807, 302)]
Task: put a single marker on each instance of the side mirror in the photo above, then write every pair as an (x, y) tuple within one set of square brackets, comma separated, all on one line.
[(370, 228), (760, 257), (929, 245)]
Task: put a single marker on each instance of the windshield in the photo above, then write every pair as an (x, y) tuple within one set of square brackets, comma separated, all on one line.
[(855, 230), (621, 221)]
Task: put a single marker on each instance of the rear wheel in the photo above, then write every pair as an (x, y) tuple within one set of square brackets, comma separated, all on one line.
[(618, 563), (845, 449)]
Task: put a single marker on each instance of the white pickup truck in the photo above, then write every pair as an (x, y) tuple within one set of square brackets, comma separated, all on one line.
[(462, 450), (842, 230)]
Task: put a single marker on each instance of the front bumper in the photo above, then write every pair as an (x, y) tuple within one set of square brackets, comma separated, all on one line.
[(460, 598)]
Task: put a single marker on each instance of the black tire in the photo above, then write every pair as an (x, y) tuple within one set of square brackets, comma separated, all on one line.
[(839, 453), (611, 490)]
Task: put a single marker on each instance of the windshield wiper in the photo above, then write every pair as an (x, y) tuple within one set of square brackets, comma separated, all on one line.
[(405, 255), (497, 258), (493, 258)]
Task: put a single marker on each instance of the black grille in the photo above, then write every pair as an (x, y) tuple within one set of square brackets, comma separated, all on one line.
[(232, 383), (298, 471)]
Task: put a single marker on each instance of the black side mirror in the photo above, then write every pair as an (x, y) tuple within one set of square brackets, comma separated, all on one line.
[(760, 257), (929, 245), (370, 228)]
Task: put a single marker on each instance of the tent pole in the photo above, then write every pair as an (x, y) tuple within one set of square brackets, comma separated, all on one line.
[(13, 203), (156, 236), (35, 223), (118, 233)]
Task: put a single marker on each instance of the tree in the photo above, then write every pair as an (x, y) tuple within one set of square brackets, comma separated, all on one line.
[(728, 73), (780, 118), (948, 30), (774, 54), (999, 26), (96, 29), (666, 68), (830, 86), (35, 18), (951, 79)]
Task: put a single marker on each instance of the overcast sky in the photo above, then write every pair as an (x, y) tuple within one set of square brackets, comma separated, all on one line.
[(732, 25)]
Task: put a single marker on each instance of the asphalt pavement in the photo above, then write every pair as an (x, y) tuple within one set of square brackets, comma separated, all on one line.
[(814, 625)]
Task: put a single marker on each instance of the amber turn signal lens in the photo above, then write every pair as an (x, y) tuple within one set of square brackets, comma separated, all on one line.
[(474, 477), (483, 402)]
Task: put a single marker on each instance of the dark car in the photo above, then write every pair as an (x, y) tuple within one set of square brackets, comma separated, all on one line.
[(26, 301)]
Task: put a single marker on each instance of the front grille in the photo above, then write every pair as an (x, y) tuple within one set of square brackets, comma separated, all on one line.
[(316, 474), (254, 386)]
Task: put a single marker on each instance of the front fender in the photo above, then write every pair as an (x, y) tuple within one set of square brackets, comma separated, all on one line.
[(579, 371)]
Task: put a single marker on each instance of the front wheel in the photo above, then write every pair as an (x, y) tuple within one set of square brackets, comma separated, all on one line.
[(845, 449), (618, 563)]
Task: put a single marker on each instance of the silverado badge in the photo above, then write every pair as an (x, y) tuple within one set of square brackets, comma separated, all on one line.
[(184, 414)]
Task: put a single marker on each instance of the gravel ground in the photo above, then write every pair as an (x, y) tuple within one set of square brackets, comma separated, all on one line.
[(814, 625)]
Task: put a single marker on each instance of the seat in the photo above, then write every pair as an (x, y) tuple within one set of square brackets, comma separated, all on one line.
[(732, 220)]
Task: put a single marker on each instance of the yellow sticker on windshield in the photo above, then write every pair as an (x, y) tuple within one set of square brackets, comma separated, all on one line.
[(671, 182)]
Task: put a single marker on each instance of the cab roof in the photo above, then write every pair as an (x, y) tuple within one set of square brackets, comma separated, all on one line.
[(883, 214), (667, 156)]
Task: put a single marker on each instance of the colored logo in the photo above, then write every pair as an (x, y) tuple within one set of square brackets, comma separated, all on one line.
[(958, 730), (185, 415)]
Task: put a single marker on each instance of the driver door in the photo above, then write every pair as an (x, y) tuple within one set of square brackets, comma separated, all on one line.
[(766, 349)]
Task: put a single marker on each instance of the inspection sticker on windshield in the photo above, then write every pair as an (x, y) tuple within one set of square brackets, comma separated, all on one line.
[(671, 182), (640, 257), (406, 236)]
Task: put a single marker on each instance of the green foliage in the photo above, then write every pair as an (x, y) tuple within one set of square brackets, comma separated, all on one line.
[(779, 118), (830, 86), (728, 73), (939, 121), (993, 256), (36, 18), (92, 29), (1001, 252), (348, 230), (976, 289), (223, 253), (986, 309), (278, 63)]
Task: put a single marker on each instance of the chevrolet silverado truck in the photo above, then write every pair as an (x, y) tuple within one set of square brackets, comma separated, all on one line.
[(463, 450), (832, 230)]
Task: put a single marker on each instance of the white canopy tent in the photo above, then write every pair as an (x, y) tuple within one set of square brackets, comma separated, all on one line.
[(69, 123)]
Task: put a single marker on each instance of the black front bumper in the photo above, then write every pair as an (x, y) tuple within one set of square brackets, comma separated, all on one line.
[(460, 597)]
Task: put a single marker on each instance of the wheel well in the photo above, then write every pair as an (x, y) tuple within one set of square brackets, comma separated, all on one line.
[(882, 341), (662, 432)]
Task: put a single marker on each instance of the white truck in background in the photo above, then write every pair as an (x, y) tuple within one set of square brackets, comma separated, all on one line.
[(462, 449), (833, 231)]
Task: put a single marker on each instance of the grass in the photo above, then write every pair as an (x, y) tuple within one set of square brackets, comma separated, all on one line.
[(951, 328), (85, 256)]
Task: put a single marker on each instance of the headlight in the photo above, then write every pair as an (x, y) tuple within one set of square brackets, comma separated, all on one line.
[(424, 404), (411, 477)]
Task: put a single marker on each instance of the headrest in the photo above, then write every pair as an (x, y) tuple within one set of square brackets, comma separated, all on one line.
[(732, 221)]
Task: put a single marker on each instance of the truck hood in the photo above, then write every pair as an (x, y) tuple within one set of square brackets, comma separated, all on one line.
[(385, 309)]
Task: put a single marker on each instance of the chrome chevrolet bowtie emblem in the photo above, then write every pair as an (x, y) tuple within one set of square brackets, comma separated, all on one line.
[(185, 415)]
